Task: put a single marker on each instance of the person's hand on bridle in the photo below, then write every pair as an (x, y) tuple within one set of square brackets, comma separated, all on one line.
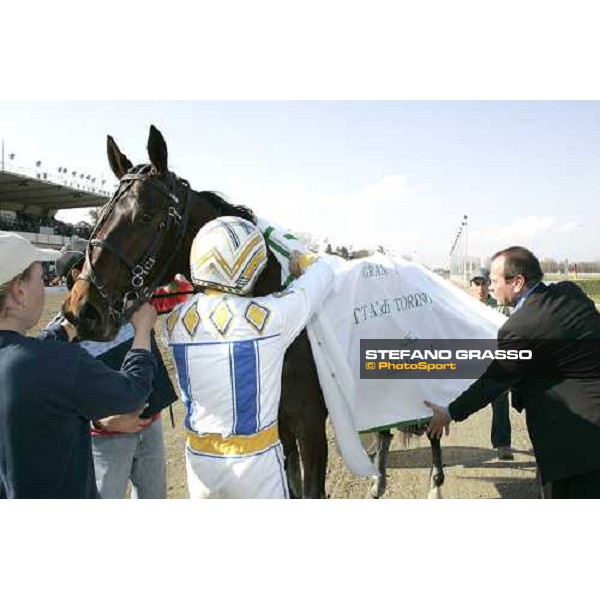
[(143, 320), (69, 329)]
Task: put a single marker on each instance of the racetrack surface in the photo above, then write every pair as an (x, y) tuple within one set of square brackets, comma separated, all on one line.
[(471, 466)]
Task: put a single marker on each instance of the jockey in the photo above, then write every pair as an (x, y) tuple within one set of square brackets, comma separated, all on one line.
[(228, 350)]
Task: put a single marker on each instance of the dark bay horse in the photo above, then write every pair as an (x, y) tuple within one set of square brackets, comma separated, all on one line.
[(142, 240)]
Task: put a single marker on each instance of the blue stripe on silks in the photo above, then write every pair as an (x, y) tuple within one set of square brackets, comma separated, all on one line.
[(246, 387), (257, 350), (180, 356), (232, 383)]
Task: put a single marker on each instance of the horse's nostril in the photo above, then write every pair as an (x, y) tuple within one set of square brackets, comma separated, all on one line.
[(89, 313)]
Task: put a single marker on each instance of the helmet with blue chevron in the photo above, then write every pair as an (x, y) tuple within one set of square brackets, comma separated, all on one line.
[(228, 254)]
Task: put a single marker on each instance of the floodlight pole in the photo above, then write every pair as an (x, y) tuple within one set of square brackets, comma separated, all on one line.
[(3, 154), (466, 250)]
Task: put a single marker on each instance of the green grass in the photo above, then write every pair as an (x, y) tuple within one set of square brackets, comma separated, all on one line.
[(590, 285)]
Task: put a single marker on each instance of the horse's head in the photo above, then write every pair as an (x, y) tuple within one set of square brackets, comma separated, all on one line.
[(134, 246)]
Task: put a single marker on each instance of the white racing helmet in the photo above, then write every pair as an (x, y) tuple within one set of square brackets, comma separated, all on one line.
[(228, 254)]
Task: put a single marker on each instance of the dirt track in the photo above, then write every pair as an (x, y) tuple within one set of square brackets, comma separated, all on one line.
[(471, 467)]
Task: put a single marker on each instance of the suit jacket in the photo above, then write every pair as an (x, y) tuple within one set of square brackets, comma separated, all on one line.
[(559, 388)]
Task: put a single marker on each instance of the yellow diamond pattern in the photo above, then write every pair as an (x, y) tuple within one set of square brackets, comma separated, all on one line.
[(172, 320), (191, 319), (221, 317), (257, 316)]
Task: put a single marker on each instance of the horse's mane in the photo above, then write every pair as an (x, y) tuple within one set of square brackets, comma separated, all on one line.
[(225, 208), (216, 200)]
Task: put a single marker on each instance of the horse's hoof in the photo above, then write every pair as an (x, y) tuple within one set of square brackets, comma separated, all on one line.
[(435, 493), (378, 487)]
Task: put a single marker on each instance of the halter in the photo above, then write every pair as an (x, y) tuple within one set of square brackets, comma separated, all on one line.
[(121, 305)]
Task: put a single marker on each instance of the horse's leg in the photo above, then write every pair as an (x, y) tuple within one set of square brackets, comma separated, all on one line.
[(304, 414), (436, 479), (312, 441), (384, 439), (306, 439), (292, 460)]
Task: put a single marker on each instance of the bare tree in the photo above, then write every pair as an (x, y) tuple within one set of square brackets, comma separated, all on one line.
[(94, 216), (308, 240)]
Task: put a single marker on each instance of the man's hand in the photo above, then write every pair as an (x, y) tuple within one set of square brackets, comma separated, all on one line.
[(440, 422), (70, 329), (127, 423), (300, 262), (144, 318)]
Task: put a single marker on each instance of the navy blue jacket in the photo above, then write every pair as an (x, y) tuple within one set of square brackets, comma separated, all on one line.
[(49, 392), (113, 353), (560, 388)]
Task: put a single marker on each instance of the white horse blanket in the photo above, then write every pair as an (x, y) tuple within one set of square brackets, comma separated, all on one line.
[(381, 298)]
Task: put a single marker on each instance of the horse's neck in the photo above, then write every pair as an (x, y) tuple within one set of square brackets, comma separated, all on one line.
[(197, 217), (270, 279), (201, 212)]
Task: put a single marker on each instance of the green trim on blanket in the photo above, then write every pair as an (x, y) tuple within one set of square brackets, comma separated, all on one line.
[(281, 250), (274, 245), (289, 280), (398, 425)]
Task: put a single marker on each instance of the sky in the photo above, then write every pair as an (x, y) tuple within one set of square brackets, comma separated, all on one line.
[(401, 174)]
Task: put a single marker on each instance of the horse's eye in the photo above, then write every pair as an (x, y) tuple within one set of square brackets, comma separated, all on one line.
[(147, 217)]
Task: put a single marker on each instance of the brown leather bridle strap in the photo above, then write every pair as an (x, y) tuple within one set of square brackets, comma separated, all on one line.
[(176, 218)]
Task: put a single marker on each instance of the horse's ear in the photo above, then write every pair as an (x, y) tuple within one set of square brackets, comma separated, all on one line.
[(157, 151), (118, 162)]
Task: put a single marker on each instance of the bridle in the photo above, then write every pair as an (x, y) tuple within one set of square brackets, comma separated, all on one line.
[(177, 209)]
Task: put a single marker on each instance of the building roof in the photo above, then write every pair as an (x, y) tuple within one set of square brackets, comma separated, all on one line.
[(41, 196)]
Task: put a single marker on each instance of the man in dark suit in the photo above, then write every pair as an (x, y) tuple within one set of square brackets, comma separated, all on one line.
[(561, 384)]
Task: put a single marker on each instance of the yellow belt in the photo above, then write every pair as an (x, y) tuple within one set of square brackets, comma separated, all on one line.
[(234, 445)]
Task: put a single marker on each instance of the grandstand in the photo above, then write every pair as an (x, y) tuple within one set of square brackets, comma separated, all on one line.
[(28, 205)]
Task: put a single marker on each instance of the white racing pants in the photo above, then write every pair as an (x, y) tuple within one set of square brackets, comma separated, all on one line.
[(226, 471)]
